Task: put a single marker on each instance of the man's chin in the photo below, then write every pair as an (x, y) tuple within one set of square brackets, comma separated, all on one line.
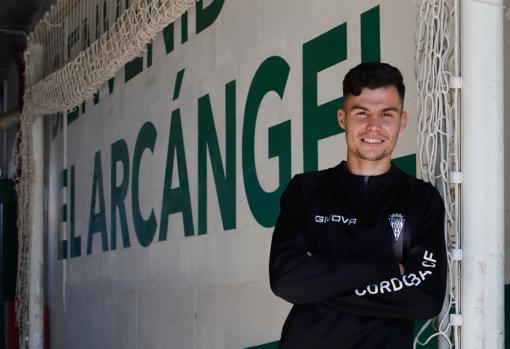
[(372, 157)]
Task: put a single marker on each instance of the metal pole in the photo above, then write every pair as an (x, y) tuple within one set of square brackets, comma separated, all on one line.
[(4, 155), (5, 96), (13, 32), (36, 294), (483, 180)]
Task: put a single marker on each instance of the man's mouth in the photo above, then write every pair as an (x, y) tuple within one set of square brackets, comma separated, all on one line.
[(372, 140)]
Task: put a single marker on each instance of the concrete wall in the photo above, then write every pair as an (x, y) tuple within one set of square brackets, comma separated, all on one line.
[(506, 42), (145, 249)]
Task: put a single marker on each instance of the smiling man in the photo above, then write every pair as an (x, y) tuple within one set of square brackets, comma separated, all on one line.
[(359, 249)]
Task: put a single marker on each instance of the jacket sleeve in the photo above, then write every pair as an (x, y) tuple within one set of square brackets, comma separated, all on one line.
[(299, 275), (419, 293)]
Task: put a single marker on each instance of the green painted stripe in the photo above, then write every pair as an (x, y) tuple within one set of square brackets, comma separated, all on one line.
[(272, 345), (62, 250), (184, 27), (64, 213), (407, 164), (133, 68), (64, 177), (178, 84), (168, 38), (371, 35), (149, 54), (72, 115), (429, 331)]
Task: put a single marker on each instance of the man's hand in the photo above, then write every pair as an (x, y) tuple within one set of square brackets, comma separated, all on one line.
[(402, 270)]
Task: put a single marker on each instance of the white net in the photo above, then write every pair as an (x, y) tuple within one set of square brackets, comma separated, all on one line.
[(72, 52), (437, 67), (91, 64)]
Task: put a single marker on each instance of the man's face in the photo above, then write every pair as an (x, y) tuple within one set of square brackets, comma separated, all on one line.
[(372, 122)]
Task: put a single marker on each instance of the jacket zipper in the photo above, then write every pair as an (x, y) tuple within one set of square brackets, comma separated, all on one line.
[(365, 182)]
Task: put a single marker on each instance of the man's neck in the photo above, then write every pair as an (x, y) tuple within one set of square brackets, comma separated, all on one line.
[(368, 167)]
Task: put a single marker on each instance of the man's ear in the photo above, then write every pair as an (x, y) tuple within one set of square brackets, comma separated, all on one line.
[(403, 120), (341, 117)]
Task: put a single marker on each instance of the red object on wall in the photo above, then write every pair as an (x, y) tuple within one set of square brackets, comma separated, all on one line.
[(12, 330), (46, 328)]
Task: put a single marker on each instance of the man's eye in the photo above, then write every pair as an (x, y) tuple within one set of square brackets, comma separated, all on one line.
[(361, 113), (388, 115)]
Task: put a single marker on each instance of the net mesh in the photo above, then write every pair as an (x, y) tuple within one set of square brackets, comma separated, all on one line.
[(72, 52), (437, 66)]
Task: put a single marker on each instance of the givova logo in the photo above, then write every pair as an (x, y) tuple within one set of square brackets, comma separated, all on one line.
[(335, 218)]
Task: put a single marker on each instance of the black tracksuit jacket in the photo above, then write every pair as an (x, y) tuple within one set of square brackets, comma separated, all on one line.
[(335, 255)]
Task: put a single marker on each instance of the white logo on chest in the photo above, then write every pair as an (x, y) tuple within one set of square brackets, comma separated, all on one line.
[(335, 218), (397, 223)]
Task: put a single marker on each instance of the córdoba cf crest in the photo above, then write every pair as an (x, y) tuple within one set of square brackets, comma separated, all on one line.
[(397, 223)]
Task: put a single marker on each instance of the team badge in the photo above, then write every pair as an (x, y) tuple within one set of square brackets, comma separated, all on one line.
[(397, 223)]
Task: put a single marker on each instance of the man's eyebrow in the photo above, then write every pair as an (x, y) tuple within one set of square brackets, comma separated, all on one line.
[(395, 109), (357, 106)]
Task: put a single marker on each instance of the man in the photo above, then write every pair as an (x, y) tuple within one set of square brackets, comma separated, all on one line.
[(359, 249)]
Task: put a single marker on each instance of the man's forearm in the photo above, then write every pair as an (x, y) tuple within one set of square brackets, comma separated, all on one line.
[(418, 294), (307, 278)]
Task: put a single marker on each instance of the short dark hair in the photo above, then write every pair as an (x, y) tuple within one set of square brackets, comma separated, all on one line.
[(373, 75)]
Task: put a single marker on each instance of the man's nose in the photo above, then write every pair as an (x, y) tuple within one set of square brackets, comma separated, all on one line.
[(373, 122)]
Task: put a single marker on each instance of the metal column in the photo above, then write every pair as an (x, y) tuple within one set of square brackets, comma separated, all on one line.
[(482, 167)]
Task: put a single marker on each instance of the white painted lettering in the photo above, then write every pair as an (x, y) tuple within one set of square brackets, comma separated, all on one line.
[(396, 284), (415, 279), (424, 273), (373, 289), (428, 260), (385, 285), (360, 293), (406, 282)]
